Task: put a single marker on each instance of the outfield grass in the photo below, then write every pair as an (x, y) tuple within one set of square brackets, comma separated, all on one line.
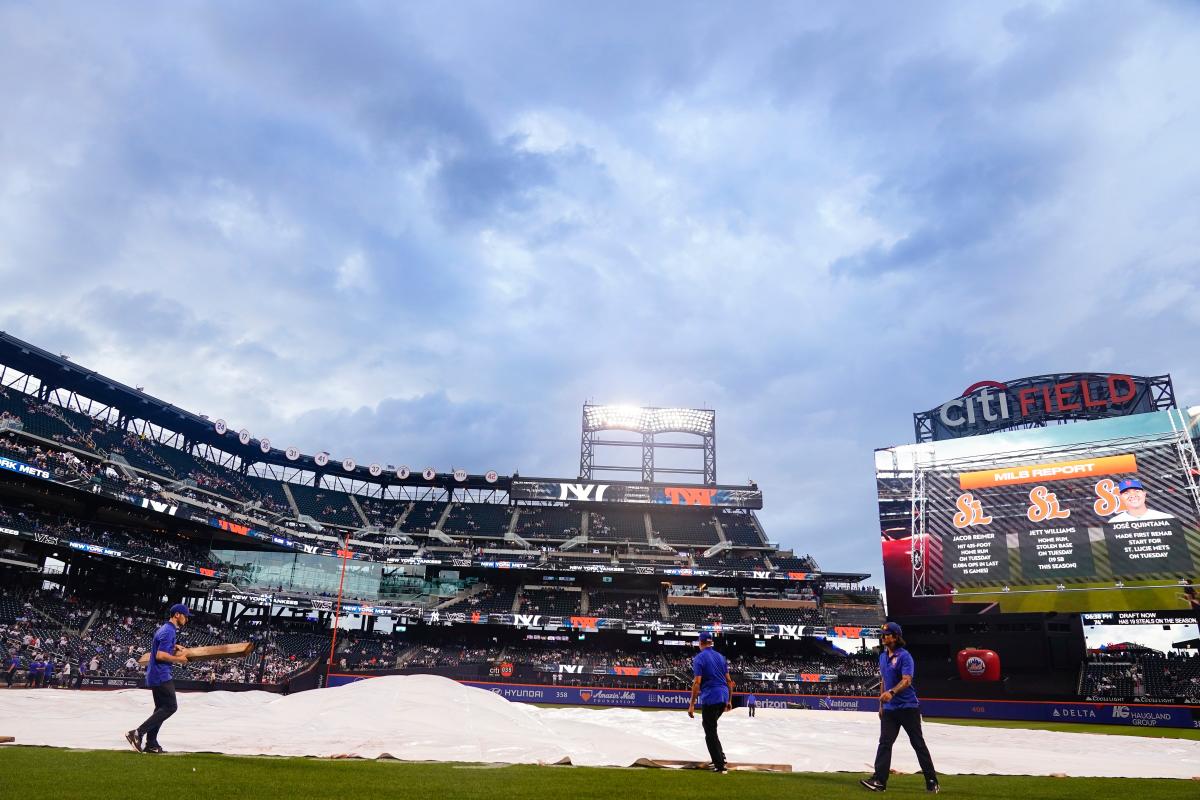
[(35, 772), (1076, 727)]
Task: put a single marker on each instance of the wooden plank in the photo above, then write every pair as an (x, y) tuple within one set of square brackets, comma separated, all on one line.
[(741, 766), (211, 652)]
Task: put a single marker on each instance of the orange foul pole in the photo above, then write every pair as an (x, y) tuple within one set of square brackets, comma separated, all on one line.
[(337, 613)]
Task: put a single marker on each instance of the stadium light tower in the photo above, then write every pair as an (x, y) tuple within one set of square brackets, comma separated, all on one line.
[(648, 422)]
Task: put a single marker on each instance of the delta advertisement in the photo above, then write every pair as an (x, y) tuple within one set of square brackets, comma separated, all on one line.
[(1093, 516), (1150, 716)]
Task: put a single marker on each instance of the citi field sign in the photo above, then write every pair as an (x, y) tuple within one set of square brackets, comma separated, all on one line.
[(988, 406)]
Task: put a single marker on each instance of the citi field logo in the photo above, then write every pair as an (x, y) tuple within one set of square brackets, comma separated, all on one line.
[(989, 403)]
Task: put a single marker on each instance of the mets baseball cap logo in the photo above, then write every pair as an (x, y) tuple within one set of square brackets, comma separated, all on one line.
[(1130, 483)]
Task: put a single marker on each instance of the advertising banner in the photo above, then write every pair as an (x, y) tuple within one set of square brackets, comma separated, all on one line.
[(646, 494), (21, 468)]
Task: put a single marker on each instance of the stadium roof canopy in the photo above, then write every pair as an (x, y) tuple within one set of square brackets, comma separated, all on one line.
[(57, 372)]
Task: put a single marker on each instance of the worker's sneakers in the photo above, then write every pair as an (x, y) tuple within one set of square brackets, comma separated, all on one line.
[(154, 748), (932, 787), (873, 785), (135, 740)]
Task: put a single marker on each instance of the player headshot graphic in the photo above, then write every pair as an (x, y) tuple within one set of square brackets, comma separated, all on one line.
[(1133, 503)]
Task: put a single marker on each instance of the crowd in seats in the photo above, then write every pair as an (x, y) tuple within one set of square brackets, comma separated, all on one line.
[(366, 651), (617, 525), (325, 505), (786, 616), (480, 519), (705, 615), (449, 656), (157, 543), (1134, 676), (549, 522), (740, 529), (383, 513), (686, 527), (423, 516), (53, 627), (550, 602), (493, 600), (625, 605)]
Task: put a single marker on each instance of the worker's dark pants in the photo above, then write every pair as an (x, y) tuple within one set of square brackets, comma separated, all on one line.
[(751, 707), (164, 707), (890, 724), (709, 715)]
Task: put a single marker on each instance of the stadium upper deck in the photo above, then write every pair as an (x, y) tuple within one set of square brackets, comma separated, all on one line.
[(119, 443)]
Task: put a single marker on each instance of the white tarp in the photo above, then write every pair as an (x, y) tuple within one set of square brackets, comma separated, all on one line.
[(428, 718)]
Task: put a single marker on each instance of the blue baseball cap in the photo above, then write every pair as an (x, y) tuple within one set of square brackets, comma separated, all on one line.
[(892, 628), (1130, 483), (705, 636), (180, 608)]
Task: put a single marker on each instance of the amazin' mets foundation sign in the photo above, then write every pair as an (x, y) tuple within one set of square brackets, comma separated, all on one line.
[(990, 406)]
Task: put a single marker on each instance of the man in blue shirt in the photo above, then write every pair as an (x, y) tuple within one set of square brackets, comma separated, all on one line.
[(163, 653), (714, 688), (898, 708), (751, 702)]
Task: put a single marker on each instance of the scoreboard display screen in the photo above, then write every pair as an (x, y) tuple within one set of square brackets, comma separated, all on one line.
[(1091, 516)]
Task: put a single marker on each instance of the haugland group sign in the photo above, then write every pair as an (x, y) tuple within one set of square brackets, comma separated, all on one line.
[(989, 406)]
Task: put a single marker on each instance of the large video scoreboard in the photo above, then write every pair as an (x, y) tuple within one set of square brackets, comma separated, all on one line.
[(1093, 516)]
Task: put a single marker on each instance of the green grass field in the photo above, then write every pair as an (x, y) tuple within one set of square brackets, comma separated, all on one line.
[(35, 772)]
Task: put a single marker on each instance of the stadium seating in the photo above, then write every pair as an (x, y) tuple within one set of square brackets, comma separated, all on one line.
[(805, 564), (617, 525), (383, 513), (325, 505), (685, 527), (625, 605), (554, 523), (477, 519), (552, 602), (740, 529), (786, 616), (726, 561), (423, 516)]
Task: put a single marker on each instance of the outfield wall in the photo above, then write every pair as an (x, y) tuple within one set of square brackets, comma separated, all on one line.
[(1142, 715)]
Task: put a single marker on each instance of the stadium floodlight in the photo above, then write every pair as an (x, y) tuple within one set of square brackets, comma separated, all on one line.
[(648, 419)]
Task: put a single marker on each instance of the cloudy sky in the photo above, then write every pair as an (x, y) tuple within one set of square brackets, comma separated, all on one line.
[(427, 233)]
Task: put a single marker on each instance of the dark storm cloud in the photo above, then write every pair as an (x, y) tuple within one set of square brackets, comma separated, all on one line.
[(427, 233)]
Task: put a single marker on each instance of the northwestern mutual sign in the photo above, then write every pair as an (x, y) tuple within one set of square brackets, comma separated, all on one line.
[(989, 406)]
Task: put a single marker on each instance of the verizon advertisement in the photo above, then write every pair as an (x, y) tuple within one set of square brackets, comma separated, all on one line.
[(1001, 523), (595, 492)]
